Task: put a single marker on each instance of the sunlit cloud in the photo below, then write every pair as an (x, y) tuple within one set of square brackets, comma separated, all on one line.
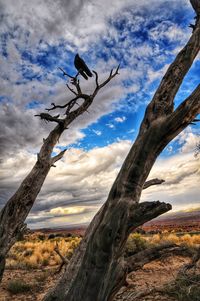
[(37, 38)]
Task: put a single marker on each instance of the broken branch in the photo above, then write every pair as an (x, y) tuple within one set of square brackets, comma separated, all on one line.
[(146, 211), (64, 259), (152, 182), (48, 117), (58, 157)]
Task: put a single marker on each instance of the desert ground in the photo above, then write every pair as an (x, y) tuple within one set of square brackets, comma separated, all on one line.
[(33, 267)]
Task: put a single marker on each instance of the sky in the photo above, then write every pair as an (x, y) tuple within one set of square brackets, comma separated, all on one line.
[(37, 37)]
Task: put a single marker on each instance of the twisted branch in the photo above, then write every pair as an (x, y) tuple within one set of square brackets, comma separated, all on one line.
[(47, 117), (79, 95)]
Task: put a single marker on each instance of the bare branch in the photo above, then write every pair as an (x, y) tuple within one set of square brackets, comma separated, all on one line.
[(111, 71), (152, 182), (162, 103), (64, 259), (65, 73), (47, 117), (178, 69), (96, 78), (88, 99), (110, 77), (72, 90), (70, 104), (58, 157), (145, 211), (75, 81), (185, 113)]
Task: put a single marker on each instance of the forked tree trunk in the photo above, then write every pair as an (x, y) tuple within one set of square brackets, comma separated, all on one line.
[(97, 270)]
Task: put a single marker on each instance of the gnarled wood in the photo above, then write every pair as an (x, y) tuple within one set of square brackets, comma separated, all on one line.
[(97, 269)]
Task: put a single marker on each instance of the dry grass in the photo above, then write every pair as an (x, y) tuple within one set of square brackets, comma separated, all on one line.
[(36, 253), (185, 288), (138, 242), (187, 239)]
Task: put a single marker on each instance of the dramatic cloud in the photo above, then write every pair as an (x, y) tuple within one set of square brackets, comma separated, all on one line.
[(36, 38), (77, 187)]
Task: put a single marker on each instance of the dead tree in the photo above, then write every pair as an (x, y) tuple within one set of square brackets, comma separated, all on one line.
[(14, 213), (97, 269)]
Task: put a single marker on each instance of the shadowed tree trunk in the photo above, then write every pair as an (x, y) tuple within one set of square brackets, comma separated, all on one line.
[(14, 213), (97, 269)]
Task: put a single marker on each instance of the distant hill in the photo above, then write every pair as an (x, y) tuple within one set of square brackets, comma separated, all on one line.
[(183, 221), (73, 230)]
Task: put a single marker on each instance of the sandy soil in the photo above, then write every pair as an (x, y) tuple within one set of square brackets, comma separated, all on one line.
[(151, 279), (153, 276), (40, 281)]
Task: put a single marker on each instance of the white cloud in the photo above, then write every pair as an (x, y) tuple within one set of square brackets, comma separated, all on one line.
[(37, 31), (188, 140), (32, 29), (81, 178), (98, 133), (76, 188), (120, 119), (181, 174), (110, 125)]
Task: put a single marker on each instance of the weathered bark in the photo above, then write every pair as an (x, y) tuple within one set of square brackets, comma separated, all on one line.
[(14, 213), (152, 182), (157, 205), (97, 268)]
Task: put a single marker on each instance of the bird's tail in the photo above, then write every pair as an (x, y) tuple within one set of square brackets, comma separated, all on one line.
[(83, 74), (88, 72)]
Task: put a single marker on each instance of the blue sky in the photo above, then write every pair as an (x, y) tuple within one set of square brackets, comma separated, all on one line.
[(36, 39)]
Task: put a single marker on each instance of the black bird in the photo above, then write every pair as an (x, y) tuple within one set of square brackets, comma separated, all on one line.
[(196, 5), (82, 67)]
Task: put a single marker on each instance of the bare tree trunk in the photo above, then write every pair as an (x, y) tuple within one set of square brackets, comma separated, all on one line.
[(14, 213), (97, 269)]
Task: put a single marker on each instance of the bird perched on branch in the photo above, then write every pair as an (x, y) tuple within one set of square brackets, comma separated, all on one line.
[(82, 67), (196, 5)]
